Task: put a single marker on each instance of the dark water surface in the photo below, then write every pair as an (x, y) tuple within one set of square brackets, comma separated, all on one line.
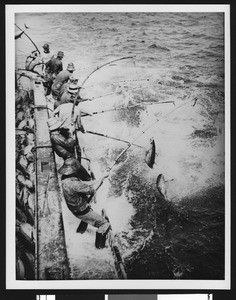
[(182, 56)]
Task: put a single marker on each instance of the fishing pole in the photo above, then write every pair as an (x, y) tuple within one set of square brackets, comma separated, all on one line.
[(103, 65), (93, 98), (89, 166), (143, 131), (118, 82), (111, 137), (132, 143), (28, 38), (97, 68), (130, 106)]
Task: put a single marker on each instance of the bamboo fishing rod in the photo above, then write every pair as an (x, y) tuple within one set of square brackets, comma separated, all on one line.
[(132, 143), (28, 38), (143, 131), (119, 82), (130, 106), (111, 137), (93, 98)]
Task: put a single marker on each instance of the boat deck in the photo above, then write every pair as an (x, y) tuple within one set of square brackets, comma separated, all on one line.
[(61, 253)]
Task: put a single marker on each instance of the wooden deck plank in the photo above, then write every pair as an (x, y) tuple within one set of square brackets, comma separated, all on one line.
[(51, 254)]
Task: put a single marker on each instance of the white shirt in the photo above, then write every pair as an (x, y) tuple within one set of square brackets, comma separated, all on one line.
[(65, 113)]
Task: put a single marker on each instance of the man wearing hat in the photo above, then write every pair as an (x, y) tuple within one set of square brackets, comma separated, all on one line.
[(63, 142), (66, 85), (78, 191), (54, 65), (46, 55), (70, 114), (62, 78), (52, 68), (32, 60), (70, 94)]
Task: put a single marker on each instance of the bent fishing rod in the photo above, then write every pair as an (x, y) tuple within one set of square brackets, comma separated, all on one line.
[(144, 131), (111, 137), (129, 106), (28, 38), (77, 96), (132, 143), (118, 82)]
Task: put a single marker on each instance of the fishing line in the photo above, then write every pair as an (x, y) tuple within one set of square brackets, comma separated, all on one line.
[(135, 67), (145, 130), (141, 105), (28, 38), (93, 98), (113, 138), (118, 82)]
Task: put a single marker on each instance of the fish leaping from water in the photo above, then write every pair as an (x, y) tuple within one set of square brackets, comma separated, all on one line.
[(150, 154), (17, 36), (160, 183)]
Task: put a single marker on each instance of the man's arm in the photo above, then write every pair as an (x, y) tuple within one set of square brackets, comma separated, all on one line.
[(85, 112), (90, 187), (56, 111)]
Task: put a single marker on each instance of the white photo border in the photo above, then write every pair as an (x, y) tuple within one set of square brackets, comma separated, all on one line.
[(11, 282)]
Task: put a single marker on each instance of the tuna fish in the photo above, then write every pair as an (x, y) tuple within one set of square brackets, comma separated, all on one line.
[(28, 152), (20, 216), (19, 117), (161, 185), (25, 182), (150, 154), (31, 123), (23, 162), (31, 201), (28, 260), (25, 195), (20, 269), (22, 124), (30, 139)]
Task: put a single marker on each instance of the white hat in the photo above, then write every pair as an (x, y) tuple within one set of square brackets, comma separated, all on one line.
[(72, 88), (54, 123)]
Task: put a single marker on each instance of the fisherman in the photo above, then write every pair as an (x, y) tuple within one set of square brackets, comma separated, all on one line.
[(63, 142), (70, 115), (66, 85), (78, 193), (52, 68), (62, 78), (70, 94), (35, 58), (54, 65), (45, 56), (32, 60)]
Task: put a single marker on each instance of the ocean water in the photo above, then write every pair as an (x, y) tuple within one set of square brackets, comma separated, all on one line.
[(177, 57)]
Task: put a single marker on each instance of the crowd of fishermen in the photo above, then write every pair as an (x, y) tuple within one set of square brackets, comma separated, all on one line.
[(64, 122)]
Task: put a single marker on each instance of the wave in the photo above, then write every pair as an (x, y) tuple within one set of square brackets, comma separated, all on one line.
[(157, 47)]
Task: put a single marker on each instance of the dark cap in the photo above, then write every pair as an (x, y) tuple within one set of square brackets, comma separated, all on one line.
[(45, 46), (60, 54)]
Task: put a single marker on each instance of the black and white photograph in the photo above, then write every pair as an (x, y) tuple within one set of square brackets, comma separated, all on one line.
[(118, 168)]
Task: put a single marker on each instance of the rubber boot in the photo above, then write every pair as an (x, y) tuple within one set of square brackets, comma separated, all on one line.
[(101, 237)]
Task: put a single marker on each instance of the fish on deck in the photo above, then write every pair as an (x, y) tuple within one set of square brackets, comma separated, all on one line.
[(18, 35), (150, 154)]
